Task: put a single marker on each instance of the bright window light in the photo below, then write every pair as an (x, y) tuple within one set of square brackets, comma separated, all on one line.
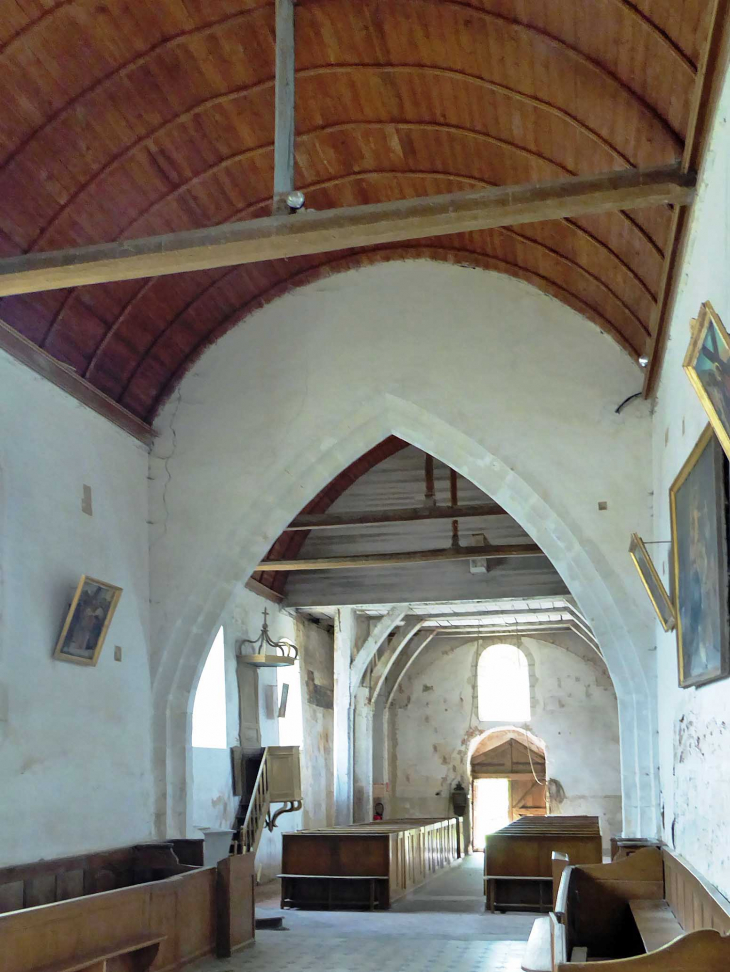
[(503, 682), (209, 707), (290, 727)]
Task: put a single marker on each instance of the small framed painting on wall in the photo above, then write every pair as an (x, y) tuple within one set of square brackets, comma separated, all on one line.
[(697, 505), (652, 582), (707, 364), (87, 621)]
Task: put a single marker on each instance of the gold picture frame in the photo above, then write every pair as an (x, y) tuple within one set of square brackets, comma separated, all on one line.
[(660, 599), (87, 621), (697, 507), (707, 364)]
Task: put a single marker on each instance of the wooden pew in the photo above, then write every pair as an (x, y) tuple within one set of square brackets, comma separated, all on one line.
[(650, 911), (131, 909), (365, 865), (518, 870)]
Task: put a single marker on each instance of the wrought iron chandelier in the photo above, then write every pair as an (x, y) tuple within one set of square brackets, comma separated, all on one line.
[(268, 653)]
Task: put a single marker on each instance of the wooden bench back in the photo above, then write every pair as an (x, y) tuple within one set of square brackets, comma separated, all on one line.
[(593, 902), (695, 902), (63, 878)]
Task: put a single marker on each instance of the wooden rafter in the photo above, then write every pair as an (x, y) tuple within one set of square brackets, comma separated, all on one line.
[(278, 237), (409, 514)]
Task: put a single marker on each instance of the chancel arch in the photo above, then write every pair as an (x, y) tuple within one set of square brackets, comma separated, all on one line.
[(282, 456)]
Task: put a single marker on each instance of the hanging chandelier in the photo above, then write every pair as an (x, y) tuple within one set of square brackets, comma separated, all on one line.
[(268, 653)]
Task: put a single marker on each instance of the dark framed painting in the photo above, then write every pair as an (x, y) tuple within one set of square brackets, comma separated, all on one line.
[(697, 504), (707, 364), (652, 582), (87, 621)]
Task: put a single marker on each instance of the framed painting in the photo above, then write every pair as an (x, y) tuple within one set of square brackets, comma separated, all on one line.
[(87, 621), (707, 364), (652, 582), (697, 505)]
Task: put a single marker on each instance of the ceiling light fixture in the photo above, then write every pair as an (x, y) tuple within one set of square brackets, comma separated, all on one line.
[(285, 652), (295, 200)]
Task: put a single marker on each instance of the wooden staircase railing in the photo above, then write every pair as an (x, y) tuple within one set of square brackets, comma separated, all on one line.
[(250, 830)]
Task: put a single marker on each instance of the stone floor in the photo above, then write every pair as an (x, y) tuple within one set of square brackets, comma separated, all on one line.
[(440, 926)]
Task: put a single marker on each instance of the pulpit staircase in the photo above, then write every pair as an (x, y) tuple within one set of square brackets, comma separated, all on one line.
[(258, 766)]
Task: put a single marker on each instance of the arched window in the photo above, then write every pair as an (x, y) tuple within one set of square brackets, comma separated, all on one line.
[(209, 707), (503, 685)]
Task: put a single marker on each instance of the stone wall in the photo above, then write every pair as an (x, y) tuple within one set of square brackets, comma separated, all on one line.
[(434, 726)]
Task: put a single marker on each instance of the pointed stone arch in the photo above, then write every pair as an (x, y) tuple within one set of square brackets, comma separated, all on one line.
[(186, 612)]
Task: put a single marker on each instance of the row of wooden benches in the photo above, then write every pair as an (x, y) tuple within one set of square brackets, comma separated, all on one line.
[(647, 912)]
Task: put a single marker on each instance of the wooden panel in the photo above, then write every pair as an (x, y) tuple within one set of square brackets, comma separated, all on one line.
[(69, 884), (181, 908), (404, 852), (11, 896), (235, 903), (40, 890), (695, 902)]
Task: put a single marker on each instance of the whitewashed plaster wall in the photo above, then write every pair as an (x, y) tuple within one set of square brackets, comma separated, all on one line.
[(694, 724), (75, 741), (214, 804), (434, 726), (504, 384)]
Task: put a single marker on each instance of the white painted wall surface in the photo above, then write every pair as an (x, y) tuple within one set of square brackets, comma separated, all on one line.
[(434, 726), (214, 805), (499, 381), (694, 724), (75, 741)]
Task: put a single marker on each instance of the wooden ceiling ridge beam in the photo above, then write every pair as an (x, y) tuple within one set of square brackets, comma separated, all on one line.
[(496, 551), (406, 514), (279, 237)]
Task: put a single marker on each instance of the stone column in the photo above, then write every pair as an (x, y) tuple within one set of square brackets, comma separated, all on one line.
[(343, 715)]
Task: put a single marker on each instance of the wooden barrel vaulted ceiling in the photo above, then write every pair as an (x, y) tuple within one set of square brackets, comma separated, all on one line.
[(122, 119)]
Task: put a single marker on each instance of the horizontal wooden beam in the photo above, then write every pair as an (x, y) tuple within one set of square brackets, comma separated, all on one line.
[(504, 774), (263, 591), (278, 237), (407, 514), (414, 557), (66, 378)]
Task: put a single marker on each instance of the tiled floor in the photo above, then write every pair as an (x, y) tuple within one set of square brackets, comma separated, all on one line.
[(440, 926)]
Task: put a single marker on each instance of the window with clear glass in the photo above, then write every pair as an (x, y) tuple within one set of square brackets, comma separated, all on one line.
[(209, 707), (503, 685)]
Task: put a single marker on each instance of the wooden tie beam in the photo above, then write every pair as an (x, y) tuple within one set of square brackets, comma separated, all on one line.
[(407, 514), (414, 557), (278, 237)]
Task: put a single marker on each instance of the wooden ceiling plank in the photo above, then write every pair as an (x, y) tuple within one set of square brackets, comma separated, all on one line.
[(500, 552), (708, 86), (284, 106), (279, 237), (333, 521)]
